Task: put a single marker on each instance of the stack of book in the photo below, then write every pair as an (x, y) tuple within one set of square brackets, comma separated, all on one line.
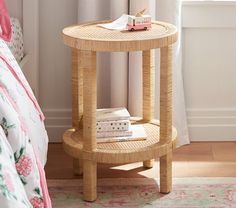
[(113, 125)]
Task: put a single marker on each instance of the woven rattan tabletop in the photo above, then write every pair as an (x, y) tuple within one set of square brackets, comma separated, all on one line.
[(90, 36)]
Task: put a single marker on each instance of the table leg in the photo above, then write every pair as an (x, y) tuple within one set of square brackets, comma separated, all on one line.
[(90, 180), (148, 163), (166, 117), (89, 124), (148, 92), (78, 166), (77, 102)]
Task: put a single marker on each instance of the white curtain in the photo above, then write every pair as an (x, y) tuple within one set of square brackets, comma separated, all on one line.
[(119, 79)]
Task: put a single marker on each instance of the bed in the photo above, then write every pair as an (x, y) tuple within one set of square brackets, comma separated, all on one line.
[(23, 137), (27, 12)]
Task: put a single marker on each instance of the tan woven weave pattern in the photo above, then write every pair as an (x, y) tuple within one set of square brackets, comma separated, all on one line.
[(152, 130), (90, 36), (95, 32)]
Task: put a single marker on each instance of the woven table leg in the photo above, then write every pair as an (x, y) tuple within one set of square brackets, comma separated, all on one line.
[(166, 117), (77, 102), (90, 180), (166, 173), (88, 60), (148, 163), (78, 166), (148, 92)]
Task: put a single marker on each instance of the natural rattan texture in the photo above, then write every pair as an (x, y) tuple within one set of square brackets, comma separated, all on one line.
[(90, 36), (80, 142), (77, 101), (121, 152), (166, 133)]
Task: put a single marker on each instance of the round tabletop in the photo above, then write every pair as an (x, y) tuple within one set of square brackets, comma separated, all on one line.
[(90, 36)]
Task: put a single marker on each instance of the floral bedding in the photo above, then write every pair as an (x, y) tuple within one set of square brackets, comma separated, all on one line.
[(23, 139), (13, 80)]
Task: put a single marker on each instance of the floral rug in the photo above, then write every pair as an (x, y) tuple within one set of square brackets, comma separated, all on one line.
[(143, 192)]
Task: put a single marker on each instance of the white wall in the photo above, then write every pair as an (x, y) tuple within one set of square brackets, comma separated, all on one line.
[(209, 64), (55, 61), (55, 64)]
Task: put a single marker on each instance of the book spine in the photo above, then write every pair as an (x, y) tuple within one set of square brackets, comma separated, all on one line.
[(114, 118), (113, 134), (119, 139), (113, 126)]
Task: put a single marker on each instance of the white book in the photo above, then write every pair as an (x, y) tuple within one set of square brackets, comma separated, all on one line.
[(119, 125), (107, 134), (138, 134), (112, 114)]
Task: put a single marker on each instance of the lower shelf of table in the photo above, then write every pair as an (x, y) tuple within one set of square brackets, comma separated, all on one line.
[(121, 152)]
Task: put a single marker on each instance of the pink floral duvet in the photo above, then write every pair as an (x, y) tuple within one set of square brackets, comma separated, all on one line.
[(23, 140)]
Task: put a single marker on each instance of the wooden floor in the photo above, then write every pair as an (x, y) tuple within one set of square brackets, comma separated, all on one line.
[(199, 159)]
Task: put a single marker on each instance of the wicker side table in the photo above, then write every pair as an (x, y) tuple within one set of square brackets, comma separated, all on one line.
[(80, 141)]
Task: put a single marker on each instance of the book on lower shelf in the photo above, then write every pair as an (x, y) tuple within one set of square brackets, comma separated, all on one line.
[(103, 134), (138, 134), (118, 125), (112, 114)]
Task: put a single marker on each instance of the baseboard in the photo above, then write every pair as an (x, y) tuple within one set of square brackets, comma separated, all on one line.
[(212, 124), (56, 122)]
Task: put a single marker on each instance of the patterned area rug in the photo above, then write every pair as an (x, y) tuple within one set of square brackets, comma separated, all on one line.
[(144, 192)]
